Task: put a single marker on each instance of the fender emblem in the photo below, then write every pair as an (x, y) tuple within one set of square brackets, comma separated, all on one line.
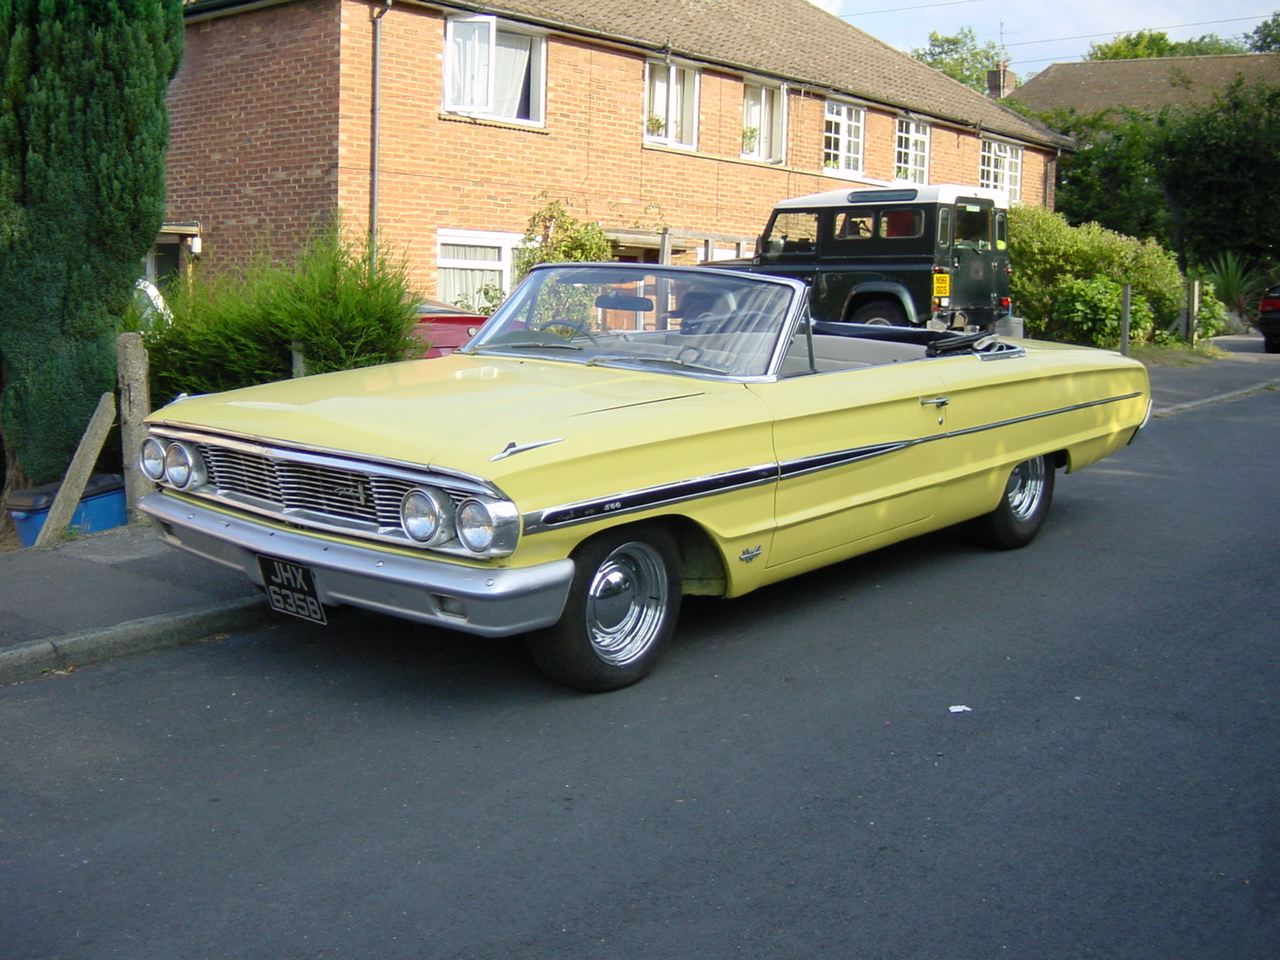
[(750, 554)]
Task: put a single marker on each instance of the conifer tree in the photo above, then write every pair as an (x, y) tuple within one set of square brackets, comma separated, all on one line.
[(83, 134)]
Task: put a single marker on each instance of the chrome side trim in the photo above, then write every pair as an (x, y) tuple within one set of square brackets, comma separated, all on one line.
[(632, 501), (1145, 420)]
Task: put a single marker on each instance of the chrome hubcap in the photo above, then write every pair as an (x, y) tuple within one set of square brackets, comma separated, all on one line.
[(627, 603), (1026, 488)]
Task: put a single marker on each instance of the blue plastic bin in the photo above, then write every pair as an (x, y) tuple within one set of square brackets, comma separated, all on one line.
[(100, 508)]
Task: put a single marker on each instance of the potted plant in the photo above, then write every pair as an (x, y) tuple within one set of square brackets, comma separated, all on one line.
[(655, 126), (750, 138)]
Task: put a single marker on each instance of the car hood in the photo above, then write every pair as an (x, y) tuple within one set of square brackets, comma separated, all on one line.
[(456, 413)]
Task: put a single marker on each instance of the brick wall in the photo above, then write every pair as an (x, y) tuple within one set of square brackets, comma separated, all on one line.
[(254, 129), (291, 130)]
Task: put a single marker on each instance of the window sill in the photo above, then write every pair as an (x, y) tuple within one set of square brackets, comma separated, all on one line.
[(480, 120)]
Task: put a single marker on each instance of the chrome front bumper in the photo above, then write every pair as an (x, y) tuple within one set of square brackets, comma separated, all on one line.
[(492, 603)]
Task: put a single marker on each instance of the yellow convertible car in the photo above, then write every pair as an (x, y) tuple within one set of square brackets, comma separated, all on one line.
[(617, 436)]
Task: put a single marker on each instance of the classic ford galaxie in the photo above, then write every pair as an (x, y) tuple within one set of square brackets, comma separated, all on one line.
[(617, 436)]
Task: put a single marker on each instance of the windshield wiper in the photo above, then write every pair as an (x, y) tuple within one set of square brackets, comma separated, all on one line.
[(551, 344), (663, 361)]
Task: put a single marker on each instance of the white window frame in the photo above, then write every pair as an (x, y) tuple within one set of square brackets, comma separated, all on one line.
[(505, 265), (669, 134), (844, 137), (764, 109), (911, 151), (478, 95), (1000, 168)]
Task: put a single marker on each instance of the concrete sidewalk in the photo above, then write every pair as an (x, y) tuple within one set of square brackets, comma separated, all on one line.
[(123, 591)]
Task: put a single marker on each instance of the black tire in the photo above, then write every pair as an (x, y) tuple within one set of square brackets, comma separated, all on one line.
[(882, 313), (621, 611), (1271, 344), (1022, 509)]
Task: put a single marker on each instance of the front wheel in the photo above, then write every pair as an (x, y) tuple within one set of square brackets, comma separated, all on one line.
[(621, 610), (1022, 509)]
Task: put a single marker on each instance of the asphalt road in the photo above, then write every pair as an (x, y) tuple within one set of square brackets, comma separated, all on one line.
[(794, 780)]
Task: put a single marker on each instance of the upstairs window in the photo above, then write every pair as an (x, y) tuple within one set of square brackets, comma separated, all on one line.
[(1001, 168), (763, 122), (911, 155), (493, 71), (671, 104), (842, 138)]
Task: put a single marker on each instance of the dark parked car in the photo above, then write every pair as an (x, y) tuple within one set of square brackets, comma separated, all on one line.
[(1268, 322)]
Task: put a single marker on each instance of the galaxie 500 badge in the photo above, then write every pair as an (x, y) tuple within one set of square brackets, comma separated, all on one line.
[(750, 553)]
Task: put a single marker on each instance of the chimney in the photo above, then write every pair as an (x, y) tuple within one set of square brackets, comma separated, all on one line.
[(1001, 81)]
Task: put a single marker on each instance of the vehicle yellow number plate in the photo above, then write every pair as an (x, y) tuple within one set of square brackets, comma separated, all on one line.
[(942, 284)]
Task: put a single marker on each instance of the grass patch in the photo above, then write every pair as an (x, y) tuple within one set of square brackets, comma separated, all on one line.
[(1176, 355)]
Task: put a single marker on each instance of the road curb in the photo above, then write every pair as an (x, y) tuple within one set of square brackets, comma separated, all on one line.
[(1219, 398), (27, 661)]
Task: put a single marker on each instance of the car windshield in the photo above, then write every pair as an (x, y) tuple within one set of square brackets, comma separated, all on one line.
[(674, 319)]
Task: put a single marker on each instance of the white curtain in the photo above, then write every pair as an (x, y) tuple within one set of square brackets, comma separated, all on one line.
[(511, 75)]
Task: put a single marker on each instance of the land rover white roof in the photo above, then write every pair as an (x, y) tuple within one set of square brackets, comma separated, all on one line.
[(943, 193)]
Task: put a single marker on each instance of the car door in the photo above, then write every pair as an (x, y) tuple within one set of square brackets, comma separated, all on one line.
[(853, 472)]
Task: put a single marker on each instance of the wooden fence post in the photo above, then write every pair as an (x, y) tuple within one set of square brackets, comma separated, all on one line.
[(135, 404), (73, 484)]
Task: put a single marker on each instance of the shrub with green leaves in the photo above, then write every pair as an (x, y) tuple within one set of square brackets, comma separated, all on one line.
[(341, 305), (1054, 269)]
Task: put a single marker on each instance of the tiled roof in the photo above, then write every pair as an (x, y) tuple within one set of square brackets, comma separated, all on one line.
[(1147, 84), (790, 40)]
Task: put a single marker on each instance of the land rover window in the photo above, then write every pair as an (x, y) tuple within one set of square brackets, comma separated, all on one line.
[(1001, 168), (671, 104), (842, 138), (973, 225), (902, 224), (944, 226), (855, 226), (794, 232), (492, 71), (911, 154)]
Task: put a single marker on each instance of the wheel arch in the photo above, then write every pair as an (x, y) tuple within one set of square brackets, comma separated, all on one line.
[(701, 564), (895, 293)]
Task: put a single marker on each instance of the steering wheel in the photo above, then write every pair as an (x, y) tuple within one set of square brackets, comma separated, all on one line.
[(572, 325)]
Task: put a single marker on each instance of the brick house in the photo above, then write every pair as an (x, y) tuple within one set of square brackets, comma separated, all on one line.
[(676, 126)]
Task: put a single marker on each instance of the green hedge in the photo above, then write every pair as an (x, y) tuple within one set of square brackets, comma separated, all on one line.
[(342, 304), (1067, 280)]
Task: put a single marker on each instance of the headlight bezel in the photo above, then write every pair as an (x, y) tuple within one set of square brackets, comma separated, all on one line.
[(441, 504), (155, 444), (196, 474), (502, 519)]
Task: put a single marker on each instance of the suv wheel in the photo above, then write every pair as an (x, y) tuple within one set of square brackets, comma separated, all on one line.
[(882, 313)]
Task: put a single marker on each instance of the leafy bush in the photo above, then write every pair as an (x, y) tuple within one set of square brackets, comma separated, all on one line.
[(1089, 311), (1212, 318), (341, 305), (1055, 266)]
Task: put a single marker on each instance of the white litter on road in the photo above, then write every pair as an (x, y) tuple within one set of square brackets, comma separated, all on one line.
[(960, 708)]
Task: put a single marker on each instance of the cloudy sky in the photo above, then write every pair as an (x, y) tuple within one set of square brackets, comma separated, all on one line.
[(1040, 33)]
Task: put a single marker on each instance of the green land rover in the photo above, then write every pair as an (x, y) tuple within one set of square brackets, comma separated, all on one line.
[(932, 256)]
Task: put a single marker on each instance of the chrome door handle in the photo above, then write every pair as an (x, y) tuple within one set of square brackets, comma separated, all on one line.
[(934, 401)]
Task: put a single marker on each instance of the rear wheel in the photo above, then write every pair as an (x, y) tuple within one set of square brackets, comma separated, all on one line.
[(1271, 344), (882, 313), (622, 609), (1022, 510)]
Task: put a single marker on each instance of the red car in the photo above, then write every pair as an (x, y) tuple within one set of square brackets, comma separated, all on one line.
[(443, 328), (1268, 322)]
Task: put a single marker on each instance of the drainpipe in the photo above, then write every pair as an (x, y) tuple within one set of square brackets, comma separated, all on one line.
[(376, 14)]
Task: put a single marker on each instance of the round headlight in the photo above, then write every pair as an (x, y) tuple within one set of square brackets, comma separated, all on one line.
[(182, 466), (475, 526), (425, 514), (151, 459)]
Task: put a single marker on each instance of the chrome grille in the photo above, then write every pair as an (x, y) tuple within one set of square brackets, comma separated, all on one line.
[(287, 485)]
